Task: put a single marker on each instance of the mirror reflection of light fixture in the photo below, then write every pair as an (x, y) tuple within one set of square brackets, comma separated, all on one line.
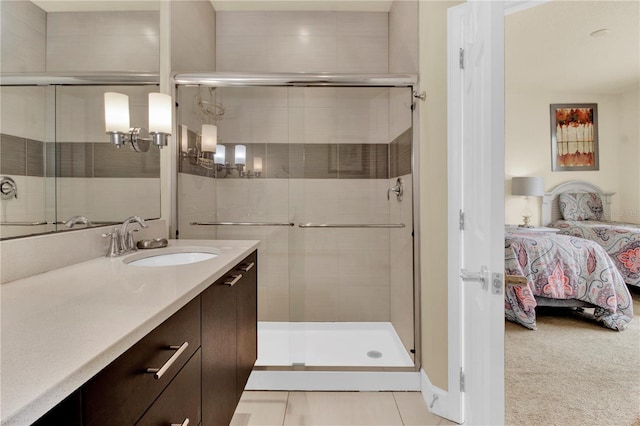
[(205, 148), (116, 119), (241, 155), (527, 186), (219, 158), (209, 140)]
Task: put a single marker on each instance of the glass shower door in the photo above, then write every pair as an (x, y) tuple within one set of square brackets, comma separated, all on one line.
[(307, 171)]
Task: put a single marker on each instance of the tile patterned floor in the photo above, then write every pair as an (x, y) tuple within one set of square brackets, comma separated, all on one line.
[(334, 408)]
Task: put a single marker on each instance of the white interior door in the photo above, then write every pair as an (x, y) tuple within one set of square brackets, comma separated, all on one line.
[(476, 197)]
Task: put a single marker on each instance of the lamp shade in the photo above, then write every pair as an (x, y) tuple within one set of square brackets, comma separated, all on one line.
[(116, 112), (219, 157), (528, 186), (184, 138), (257, 164), (241, 155), (159, 113), (209, 137)]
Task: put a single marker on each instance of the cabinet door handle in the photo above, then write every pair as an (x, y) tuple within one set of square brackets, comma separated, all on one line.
[(159, 372), (235, 279), (185, 423), (247, 267)]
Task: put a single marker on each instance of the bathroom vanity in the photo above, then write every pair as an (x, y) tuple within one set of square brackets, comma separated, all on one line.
[(109, 342)]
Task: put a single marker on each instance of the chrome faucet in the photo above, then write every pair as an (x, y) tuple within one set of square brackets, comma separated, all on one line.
[(75, 220), (126, 236)]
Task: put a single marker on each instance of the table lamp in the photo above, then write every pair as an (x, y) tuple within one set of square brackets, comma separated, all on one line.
[(527, 186)]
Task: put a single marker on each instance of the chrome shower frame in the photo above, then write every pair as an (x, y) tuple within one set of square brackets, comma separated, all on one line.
[(409, 81)]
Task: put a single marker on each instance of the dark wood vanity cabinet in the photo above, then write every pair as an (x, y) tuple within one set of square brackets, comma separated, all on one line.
[(126, 388), (204, 354), (229, 340)]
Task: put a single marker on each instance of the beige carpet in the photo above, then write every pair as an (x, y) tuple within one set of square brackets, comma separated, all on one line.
[(573, 372)]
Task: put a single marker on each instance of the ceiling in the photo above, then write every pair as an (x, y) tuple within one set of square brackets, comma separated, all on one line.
[(549, 47)]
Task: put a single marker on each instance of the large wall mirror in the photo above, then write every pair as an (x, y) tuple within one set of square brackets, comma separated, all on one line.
[(58, 58), (57, 162)]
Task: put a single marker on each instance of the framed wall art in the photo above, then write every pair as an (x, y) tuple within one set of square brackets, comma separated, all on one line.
[(574, 137)]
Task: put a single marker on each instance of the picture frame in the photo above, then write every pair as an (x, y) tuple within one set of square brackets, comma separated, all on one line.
[(574, 137)]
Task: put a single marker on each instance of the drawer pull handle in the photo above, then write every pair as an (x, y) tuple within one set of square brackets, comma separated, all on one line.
[(185, 423), (235, 279), (159, 372), (247, 267)]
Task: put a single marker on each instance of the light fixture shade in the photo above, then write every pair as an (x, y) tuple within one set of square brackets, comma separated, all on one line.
[(116, 112), (241, 155), (209, 138), (528, 186), (184, 138), (159, 113), (219, 156), (257, 164)]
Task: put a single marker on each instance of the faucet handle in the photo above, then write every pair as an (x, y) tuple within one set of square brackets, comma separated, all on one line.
[(114, 244), (131, 244)]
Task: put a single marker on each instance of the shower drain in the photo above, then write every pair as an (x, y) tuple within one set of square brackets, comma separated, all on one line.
[(374, 354)]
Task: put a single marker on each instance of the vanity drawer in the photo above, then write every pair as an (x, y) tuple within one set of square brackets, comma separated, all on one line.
[(180, 401), (122, 392)]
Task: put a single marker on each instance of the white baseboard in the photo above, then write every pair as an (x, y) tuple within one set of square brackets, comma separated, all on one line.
[(438, 400), (333, 381)]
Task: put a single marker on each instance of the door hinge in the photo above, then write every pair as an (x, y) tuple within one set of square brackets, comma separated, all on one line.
[(461, 220), (461, 380), (461, 58)]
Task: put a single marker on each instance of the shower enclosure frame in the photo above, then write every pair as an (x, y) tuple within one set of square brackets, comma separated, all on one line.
[(410, 81)]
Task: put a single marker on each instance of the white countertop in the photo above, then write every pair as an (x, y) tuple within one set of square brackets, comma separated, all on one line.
[(62, 327)]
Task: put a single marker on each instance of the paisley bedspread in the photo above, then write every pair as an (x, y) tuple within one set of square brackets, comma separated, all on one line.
[(620, 240), (563, 267)]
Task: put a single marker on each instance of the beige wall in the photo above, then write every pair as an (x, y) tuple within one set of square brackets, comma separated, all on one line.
[(403, 36), (629, 157), (528, 148), (433, 188)]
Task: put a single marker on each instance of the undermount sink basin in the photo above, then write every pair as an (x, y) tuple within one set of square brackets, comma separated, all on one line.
[(171, 256)]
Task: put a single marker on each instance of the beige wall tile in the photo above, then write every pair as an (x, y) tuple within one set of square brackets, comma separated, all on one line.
[(363, 24), (308, 24), (103, 41), (364, 303), (241, 24), (363, 54), (241, 53), (23, 41)]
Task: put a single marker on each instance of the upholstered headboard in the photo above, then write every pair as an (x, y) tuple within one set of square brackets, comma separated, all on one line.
[(551, 207)]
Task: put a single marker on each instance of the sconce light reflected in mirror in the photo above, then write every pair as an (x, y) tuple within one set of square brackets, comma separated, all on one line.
[(117, 126), (210, 155)]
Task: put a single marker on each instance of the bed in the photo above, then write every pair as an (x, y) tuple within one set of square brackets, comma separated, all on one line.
[(561, 270), (581, 209)]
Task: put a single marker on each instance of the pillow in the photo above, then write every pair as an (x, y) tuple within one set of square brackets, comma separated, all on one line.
[(581, 206)]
